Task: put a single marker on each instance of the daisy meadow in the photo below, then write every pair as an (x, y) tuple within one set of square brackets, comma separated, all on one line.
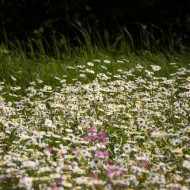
[(104, 125)]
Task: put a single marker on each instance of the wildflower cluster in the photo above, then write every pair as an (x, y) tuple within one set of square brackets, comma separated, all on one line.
[(124, 130)]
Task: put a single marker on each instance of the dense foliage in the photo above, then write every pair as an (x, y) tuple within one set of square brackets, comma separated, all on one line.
[(20, 17)]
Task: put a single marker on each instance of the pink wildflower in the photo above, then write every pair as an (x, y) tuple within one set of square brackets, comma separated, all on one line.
[(102, 154), (49, 150)]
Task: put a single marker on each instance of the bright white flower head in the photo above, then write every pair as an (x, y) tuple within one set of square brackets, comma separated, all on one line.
[(90, 64), (26, 182), (186, 164), (155, 67), (107, 61)]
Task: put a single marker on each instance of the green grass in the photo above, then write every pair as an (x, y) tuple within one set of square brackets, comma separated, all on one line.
[(33, 60), (124, 125)]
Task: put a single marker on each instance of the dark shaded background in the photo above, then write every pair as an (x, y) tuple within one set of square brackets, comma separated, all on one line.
[(21, 18)]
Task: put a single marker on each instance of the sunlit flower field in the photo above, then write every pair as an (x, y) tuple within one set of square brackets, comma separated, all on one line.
[(129, 130)]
